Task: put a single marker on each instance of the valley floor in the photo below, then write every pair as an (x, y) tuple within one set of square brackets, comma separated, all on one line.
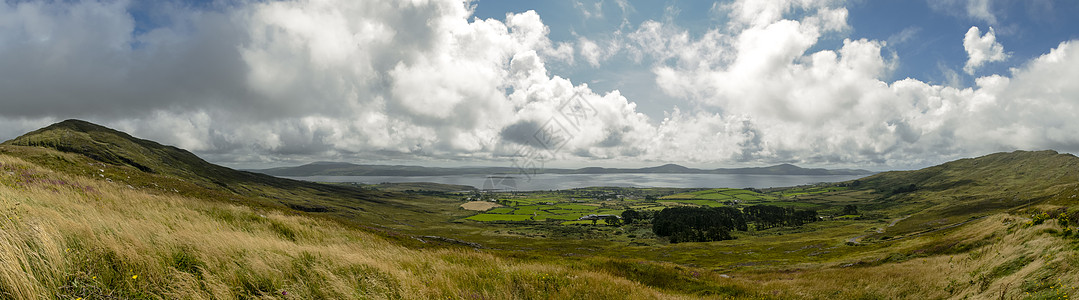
[(70, 236)]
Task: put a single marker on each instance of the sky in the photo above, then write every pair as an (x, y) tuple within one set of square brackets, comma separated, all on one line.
[(880, 84)]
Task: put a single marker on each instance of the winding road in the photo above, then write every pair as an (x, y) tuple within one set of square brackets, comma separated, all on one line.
[(857, 239)]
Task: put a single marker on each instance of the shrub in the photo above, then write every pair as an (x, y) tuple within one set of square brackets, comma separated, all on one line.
[(1038, 219)]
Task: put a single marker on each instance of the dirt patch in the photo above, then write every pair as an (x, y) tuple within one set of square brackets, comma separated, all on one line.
[(480, 205)]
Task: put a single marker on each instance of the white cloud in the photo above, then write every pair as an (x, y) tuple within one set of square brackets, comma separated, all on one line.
[(590, 50), (70, 58), (1035, 107), (593, 10), (980, 9), (904, 36), (365, 80), (302, 78), (597, 52), (975, 9), (758, 13), (833, 106), (13, 127), (981, 49), (608, 126), (441, 88), (187, 131)]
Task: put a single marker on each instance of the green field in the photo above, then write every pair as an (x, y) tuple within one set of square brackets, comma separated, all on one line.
[(558, 206), (499, 217), (500, 210), (87, 212), (722, 194), (708, 203)]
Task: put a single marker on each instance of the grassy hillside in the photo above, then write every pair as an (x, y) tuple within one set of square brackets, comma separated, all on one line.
[(118, 157), (975, 187), (69, 237), (115, 148), (88, 212)]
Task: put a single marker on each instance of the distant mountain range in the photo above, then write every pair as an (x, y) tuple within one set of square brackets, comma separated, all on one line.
[(94, 191), (348, 169)]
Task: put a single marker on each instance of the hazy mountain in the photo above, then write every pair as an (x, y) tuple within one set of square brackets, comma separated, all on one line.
[(91, 212), (348, 169)]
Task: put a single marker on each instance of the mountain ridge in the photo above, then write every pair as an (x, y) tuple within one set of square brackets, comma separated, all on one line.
[(111, 146), (82, 185), (975, 185), (350, 169), (163, 163)]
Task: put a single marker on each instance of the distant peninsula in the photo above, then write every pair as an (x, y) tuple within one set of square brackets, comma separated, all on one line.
[(349, 169)]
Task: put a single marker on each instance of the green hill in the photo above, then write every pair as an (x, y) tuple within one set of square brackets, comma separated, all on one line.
[(1019, 172), (67, 236), (117, 156), (116, 148), (976, 187), (93, 213)]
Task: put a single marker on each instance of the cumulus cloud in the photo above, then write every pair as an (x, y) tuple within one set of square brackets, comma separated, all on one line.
[(771, 99), (298, 78), (296, 81), (981, 49), (975, 9), (755, 13)]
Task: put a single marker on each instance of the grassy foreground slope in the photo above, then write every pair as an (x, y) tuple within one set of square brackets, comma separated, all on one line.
[(114, 156), (75, 223), (94, 213), (67, 237)]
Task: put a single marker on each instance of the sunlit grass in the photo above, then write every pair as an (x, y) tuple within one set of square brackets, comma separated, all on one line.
[(78, 236), (93, 239)]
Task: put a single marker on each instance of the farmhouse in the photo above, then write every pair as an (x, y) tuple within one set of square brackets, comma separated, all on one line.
[(597, 217)]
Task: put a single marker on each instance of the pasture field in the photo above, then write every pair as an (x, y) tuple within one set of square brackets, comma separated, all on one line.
[(722, 194), (499, 217), (122, 218), (565, 207), (548, 221)]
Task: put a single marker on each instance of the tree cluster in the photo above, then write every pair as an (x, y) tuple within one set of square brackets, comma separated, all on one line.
[(904, 189), (630, 216), (692, 224), (767, 216), (706, 224), (849, 209), (855, 183)]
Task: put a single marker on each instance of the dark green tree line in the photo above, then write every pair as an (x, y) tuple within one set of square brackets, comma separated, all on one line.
[(705, 224), (768, 216), (692, 224)]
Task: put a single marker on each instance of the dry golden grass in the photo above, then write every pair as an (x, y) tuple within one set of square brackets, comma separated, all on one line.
[(972, 274), (65, 237), (480, 205)]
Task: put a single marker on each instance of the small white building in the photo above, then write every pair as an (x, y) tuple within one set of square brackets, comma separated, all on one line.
[(597, 217)]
